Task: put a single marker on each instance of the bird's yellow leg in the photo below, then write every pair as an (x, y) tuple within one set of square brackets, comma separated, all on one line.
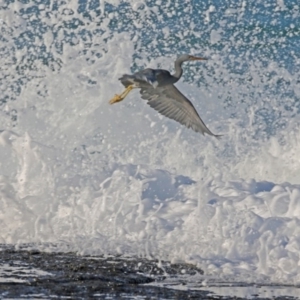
[(118, 98)]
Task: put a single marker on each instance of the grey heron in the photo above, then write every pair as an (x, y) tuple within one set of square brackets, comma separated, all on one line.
[(157, 87)]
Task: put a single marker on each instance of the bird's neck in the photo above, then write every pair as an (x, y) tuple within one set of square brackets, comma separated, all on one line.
[(178, 70)]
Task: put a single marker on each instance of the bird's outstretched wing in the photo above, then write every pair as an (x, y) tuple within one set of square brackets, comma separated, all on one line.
[(170, 102)]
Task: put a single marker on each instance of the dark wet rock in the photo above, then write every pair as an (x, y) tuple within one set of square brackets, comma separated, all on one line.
[(82, 277)]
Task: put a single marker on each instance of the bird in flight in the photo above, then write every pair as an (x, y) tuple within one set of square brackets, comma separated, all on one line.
[(157, 87)]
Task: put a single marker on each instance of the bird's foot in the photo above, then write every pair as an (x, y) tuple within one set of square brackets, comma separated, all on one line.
[(118, 98), (115, 99)]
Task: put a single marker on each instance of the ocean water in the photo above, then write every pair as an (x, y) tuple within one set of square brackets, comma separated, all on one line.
[(78, 174)]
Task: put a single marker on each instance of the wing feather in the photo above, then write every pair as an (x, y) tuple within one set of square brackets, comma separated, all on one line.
[(170, 102)]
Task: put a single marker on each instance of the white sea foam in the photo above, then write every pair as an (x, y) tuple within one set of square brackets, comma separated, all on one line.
[(19, 273), (100, 179)]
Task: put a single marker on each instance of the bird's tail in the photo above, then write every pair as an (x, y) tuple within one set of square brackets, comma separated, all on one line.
[(127, 80)]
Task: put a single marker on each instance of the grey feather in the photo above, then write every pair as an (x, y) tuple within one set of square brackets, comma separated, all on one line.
[(171, 103)]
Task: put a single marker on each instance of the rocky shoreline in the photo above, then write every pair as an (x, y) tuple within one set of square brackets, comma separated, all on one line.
[(35, 274)]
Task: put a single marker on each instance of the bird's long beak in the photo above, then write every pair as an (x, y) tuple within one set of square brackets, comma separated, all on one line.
[(197, 58)]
